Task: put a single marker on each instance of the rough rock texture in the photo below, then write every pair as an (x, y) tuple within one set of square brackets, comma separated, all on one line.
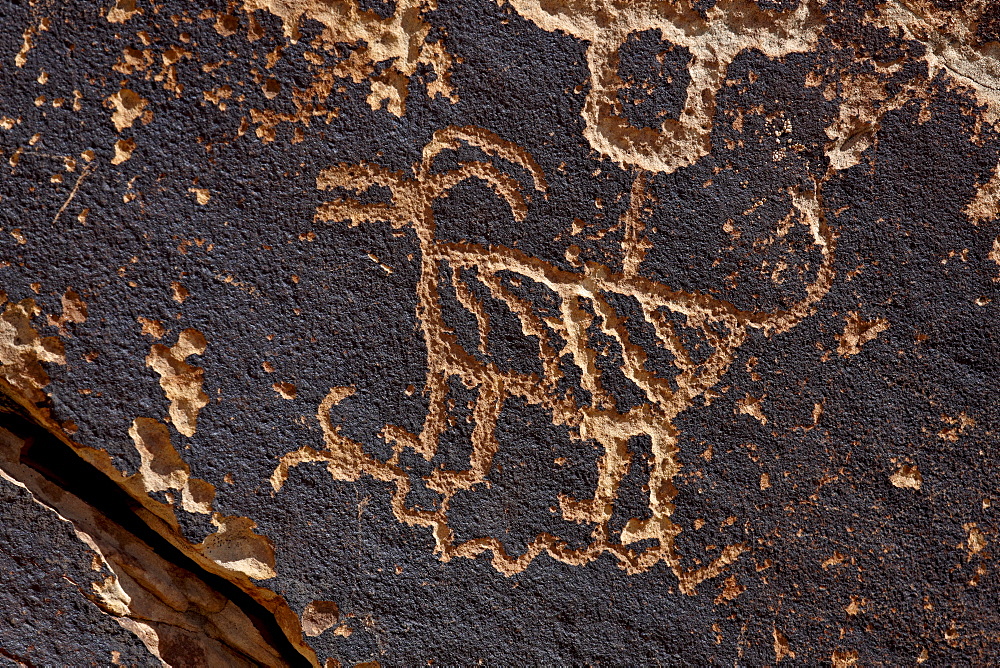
[(516, 331), (48, 579)]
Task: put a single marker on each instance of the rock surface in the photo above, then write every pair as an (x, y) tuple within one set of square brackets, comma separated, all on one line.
[(339, 332)]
